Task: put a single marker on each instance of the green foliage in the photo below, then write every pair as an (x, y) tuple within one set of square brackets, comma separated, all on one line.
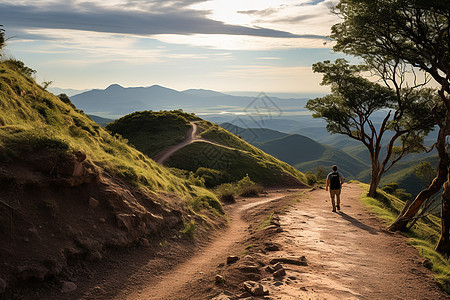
[(266, 222), (350, 107), (425, 172), (212, 177), (247, 187), (392, 188), (33, 119), (208, 202), (189, 229), (412, 31), (226, 192), (20, 67), (311, 178), (151, 132)]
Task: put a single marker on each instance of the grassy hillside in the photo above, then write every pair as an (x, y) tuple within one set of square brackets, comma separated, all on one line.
[(242, 158), (151, 132), (70, 190)]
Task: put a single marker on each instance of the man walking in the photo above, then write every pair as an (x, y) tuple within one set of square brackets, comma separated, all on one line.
[(335, 181)]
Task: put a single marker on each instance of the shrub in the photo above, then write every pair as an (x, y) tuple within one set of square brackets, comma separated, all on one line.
[(189, 228), (206, 202), (390, 188), (247, 187), (226, 192), (212, 177), (311, 178)]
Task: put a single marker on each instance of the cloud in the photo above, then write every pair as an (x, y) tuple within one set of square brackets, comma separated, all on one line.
[(139, 17)]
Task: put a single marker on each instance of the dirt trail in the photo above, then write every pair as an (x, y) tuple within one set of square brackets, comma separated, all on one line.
[(350, 255), (192, 137), (194, 271)]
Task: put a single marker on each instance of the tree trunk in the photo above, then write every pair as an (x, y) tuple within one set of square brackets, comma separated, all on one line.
[(443, 245), (374, 180), (410, 209)]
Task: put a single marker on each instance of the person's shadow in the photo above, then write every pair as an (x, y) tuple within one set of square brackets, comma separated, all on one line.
[(357, 223)]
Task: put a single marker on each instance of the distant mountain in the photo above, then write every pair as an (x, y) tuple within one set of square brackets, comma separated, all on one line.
[(302, 152), (68, 92), (116, 101), (99, 120)]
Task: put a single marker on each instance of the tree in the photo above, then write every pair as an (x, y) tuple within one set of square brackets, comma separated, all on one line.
[(2, 37), (414, 32), (354, 100)]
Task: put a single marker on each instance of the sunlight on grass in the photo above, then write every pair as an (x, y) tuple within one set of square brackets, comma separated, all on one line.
[(423, 235)]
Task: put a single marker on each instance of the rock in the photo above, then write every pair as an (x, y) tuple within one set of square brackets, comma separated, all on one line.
[(277, 266), (270, 269), (271, 227), (290, 261), (221, 265), (126, 221), (279, 273), (245, 295), (250, 268), (275, 222), (93, 256), (292, 277), (232, 259), (219, 279), (255, 288), (2, 286), (32, 272), (89, 244), (224, 296), (102, 220), (271, 247), (144, 242), (427, 264), (68, 287), (93, 203), (26, 240)]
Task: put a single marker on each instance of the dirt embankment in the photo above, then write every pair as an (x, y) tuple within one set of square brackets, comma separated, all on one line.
[(59, 213)]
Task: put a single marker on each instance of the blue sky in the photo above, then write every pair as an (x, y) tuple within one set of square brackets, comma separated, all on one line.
[(223, 45)]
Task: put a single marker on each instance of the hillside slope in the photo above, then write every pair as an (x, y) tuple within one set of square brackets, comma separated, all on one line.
[(216, 152), (70, 190), (300, 151)]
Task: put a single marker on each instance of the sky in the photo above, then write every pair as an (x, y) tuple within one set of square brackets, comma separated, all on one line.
[(223, 45)]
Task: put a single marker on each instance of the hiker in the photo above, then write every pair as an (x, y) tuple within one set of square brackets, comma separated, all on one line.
[(335, 181)]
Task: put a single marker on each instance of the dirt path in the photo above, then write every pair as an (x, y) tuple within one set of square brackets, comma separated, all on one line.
[(195, 271), (192, 137), (350, 255)]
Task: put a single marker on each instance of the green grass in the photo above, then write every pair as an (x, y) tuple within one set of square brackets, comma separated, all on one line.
[(424, 235), (33, 120), (151, 132), (266, 222), (189, 229), (235, 163)]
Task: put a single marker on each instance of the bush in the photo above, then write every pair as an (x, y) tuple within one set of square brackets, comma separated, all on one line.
[(226, 192), (247, 187), (212, 177), (189, 229), (206, 202), (390, 188), (311, 178)]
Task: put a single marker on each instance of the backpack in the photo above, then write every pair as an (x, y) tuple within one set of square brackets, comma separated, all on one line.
[(335, 181)]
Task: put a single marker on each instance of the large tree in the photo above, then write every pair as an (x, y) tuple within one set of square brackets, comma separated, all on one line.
[(415, 32), (350, 110)]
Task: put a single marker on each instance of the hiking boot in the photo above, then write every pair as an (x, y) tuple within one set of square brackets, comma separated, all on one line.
[(334, 210), (338, 207)]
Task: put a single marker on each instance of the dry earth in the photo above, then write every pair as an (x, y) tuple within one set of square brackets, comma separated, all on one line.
[(348, 254)]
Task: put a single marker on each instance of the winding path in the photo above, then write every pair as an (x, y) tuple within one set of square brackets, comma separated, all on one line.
[(192, 137), (170, 286)]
